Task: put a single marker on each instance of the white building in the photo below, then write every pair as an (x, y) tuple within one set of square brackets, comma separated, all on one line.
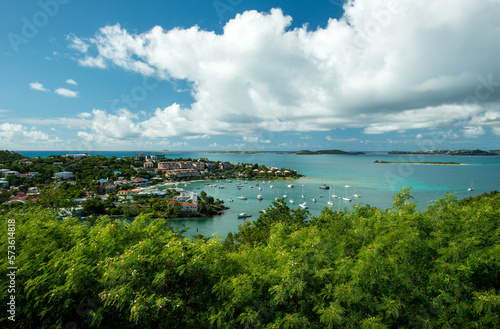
[(187, 196), (63, 175)]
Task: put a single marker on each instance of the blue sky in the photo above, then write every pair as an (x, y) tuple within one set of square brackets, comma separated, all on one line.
[(249, 75)]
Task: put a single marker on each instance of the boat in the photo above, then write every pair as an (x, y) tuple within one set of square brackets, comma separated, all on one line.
[(330, 204), (324, 187), (314, 200), (260, 189), (355, 194), (250, 186), (291, 201), (259, 197), (290, 186), (303, 205), (230, 200), (242, 197), (271, 186), (303, 196), (285, 196), (347, 199), (347, 186), (471, 188), (244, 215), (303, 185)]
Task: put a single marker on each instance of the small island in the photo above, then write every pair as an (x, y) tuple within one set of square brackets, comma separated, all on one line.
[(336, 152), (420, 162)]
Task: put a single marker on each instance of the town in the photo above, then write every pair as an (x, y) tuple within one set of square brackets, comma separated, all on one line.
[(83, 185)]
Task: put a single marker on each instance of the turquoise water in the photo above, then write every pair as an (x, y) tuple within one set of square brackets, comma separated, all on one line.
[(376, 183)]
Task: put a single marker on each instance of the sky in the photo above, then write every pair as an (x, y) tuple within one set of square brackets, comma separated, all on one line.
[(186, 75)]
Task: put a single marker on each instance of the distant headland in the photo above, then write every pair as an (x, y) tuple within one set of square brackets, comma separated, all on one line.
[(236, 152), (307, 152), (450, 152)]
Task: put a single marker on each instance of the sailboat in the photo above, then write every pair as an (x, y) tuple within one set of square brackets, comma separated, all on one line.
[(303, 205), (346, 198), (333, 195), (471, 188), (355, 194), (330, 203)]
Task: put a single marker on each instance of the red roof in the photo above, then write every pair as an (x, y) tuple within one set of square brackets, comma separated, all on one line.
[(19, 196), (173, 201), (190, 204)]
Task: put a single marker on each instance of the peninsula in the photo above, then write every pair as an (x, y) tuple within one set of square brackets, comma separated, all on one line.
[(450, 152)]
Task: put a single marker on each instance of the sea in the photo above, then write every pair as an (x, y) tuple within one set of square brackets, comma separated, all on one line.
[(376, 183)]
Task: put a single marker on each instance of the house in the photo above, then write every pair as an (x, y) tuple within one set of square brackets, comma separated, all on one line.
[(210, 165), (199, 166), (4, 184), (186, 196), (148, 164), (224, 165), (136, 157), (76, 156), (110, 188), (11, 173), (63, 175), (185, 207)]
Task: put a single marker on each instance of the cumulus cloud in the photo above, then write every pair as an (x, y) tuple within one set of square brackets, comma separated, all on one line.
[(380, 67), (66, 92), (13, 131), (71, 82), (473, 132), (38, 86)]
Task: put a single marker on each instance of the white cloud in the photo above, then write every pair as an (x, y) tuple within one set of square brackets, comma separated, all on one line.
[(496, 131), (66, 92), (77, 43), (473, 132), (19, 133), (381, 67), (71, 82), (343, 140), (38, 86), (419, 136)]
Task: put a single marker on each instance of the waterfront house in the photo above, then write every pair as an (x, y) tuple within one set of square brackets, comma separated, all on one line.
[(4, 184)]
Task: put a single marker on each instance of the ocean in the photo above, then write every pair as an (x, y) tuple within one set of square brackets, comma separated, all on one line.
[(376, 183)]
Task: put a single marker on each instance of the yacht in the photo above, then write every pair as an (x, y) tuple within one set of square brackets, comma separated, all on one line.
[(355, 194), (314, 200), (290, 185), (347, 186), (259, 197), (291, 201), (303, 205), (242, 197), (347, 199), (244, 215), (324, 187), (303, 196), (330, 204), (471, 188), (230, 200), (271, 186)]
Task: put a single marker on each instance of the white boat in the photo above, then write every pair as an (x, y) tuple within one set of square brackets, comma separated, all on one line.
[(290, 186), (285, 196), (303, 196), (259, 197), (335, 196), (303, 205), (330, 204), (244, 215), (347, 186), (471, 188), (242, 197), (291, 201), (230, 200), (260, 189), (347, 199), (314, 200), (324, 187), (355, 194), (271, 186)]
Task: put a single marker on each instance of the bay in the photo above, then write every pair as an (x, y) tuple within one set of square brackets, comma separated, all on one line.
[(376, 183)]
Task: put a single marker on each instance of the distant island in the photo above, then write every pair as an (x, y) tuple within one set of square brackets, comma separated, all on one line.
[(451, 152), (417, 162), (236, 152), (307, 152)]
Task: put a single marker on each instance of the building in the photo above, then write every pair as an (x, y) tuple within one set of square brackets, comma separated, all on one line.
[(186, 196), (63, 175), (11, 173), (224, 165), (4, 184), (185, 207), (199, 166), (210, 165), (148, 164), (76, 156)]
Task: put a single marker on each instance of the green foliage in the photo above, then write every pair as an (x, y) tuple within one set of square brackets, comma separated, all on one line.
[(367, 268)]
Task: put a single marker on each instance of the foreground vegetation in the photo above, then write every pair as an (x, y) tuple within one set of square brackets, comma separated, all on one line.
[(368, 268)]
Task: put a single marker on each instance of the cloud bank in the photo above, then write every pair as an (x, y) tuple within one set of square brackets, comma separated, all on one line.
[(384, 66)]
